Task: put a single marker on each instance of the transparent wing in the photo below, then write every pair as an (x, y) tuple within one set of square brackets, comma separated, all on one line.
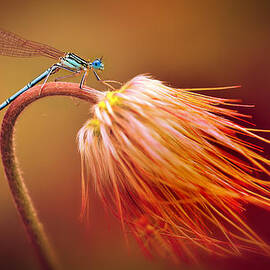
[(13, 45)]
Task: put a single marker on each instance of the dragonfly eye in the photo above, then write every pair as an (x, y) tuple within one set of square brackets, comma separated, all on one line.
[(97, 64)]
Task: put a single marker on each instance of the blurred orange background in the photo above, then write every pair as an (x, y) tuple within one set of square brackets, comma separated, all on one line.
[(185, 43)]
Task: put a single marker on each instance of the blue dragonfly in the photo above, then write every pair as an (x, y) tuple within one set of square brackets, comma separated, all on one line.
[(13, 45)]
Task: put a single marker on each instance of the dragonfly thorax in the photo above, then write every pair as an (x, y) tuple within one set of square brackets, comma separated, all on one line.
[(73, 61)]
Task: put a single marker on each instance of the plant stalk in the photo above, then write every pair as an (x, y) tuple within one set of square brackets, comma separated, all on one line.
[(22, 199)]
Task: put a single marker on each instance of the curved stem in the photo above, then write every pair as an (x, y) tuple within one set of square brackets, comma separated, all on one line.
[(19, 191)]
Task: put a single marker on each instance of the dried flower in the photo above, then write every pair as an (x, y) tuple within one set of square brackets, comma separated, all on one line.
[(172, 167)]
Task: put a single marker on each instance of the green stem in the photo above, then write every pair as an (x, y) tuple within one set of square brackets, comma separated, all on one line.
[(18, 189)]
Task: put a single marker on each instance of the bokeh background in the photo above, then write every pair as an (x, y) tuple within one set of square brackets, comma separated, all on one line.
[(185, 43)]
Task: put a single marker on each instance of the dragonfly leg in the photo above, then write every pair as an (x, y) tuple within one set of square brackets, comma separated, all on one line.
[(52, 71), (60, 66), (112, 81), (67, 76), (104, 82), (82, 83)]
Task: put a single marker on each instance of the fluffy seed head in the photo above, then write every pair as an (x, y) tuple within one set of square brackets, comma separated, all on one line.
[(170, 164)]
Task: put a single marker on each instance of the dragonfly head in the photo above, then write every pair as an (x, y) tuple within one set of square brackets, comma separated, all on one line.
[(97, 64)]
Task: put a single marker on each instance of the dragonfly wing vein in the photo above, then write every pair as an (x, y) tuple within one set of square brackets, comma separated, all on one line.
[(13, 45)]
